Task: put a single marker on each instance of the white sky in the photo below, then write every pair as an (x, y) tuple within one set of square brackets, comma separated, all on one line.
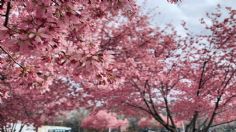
[(190, 11)]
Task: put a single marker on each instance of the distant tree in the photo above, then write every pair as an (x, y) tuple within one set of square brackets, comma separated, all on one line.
[(103, 121), (71, 119)]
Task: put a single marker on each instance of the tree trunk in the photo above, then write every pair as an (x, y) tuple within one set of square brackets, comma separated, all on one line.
[(2, 129), (36, 128), (21, 127)]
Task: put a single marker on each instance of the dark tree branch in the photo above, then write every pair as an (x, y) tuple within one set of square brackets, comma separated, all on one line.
[(9, 55), (193, 121), (21, 127), (227, 122), (169, 114), (225, 83), (213, 114), (171, 127), (228, 100), (7, 14), (200, 85), (229, 79), (150, 98), (151, 107)]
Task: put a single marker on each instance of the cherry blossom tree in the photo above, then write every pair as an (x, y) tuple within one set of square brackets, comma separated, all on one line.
[(47, 43), (188, 79), (102, 121), (32, 106), (45, 40), (148, 123)]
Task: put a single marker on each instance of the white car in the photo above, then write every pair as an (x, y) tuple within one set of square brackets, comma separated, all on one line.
[(54, 129)]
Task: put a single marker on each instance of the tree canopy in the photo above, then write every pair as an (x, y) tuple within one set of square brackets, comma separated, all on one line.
[(62, 54)]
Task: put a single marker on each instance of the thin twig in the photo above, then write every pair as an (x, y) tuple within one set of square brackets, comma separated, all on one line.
[(12, 58)]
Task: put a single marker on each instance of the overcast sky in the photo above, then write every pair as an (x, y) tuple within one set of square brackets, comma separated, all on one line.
[(190, 11)]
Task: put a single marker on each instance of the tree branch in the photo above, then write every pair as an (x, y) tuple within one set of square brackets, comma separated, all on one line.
[(12, 58), (213, 114), (7, 14), (227, 122), (200, 85), (169, 112)]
